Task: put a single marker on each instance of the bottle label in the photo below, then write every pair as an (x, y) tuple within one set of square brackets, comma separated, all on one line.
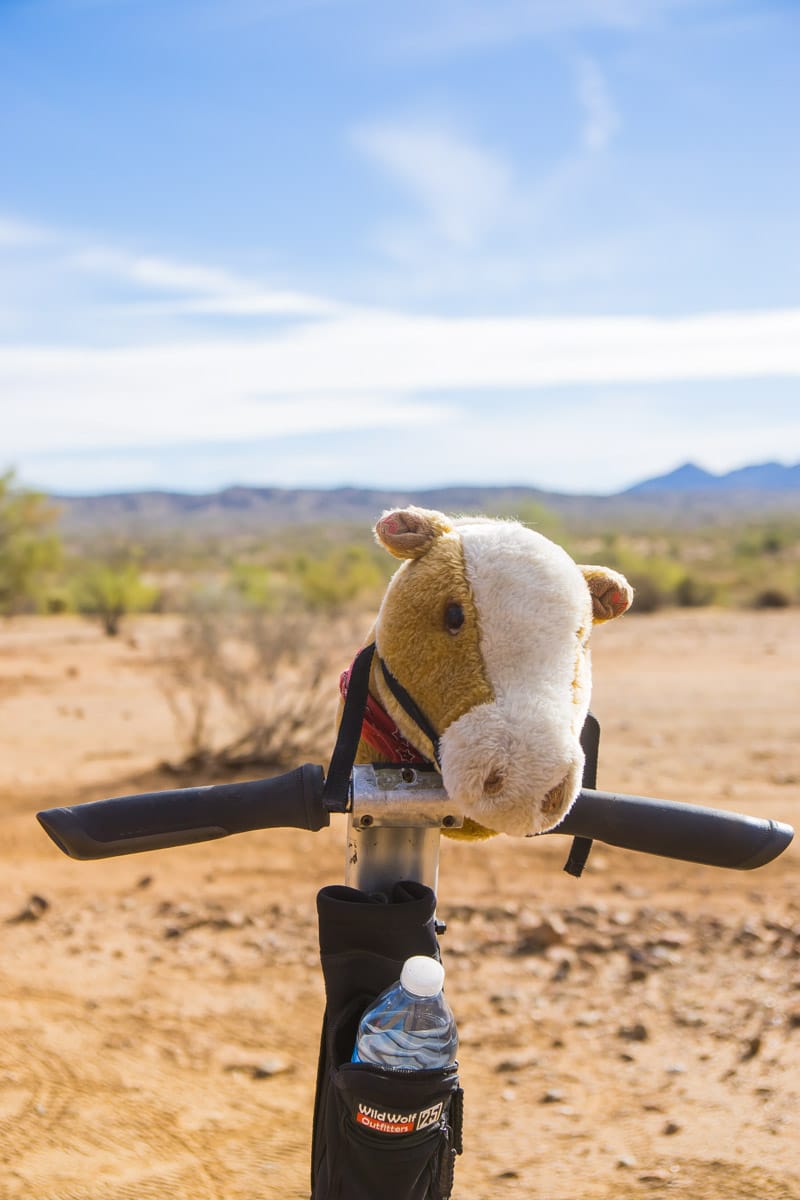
[(387, 1121)]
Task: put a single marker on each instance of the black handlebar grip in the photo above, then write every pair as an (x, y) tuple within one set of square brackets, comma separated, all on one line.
[(711, 836), (151, 821)]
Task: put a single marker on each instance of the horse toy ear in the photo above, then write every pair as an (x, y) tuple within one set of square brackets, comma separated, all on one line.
[(611, 593), (410, 532)]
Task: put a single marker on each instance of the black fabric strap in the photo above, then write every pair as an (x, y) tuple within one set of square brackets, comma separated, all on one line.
[(336, 791), (578, 855), (590, 741), (411, 708)]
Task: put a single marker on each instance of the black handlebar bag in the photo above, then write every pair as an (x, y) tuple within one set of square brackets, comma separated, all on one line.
[(378, 1134)]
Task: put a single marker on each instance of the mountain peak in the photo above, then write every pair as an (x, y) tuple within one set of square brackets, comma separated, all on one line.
[(686, 478), (761, 477)]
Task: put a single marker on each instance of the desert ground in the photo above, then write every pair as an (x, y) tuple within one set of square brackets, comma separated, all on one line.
[(634, 1033)]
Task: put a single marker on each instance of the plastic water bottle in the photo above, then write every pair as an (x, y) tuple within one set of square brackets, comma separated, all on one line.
[(410, 1026)]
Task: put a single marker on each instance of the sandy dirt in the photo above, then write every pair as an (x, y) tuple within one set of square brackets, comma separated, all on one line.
[(635, 1033)]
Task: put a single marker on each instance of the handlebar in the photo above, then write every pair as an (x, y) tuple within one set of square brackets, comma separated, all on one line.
[(711, 836), (155, 820)]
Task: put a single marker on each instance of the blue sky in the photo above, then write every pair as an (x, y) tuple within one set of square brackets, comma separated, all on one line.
[(315, 242)]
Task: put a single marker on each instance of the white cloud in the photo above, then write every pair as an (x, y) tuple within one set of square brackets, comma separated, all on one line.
[(183, 288), (453, 26), (601, 119), (598, 440), (360, 371), (14, 233), (118, 399), (463, 189), (197, 288)]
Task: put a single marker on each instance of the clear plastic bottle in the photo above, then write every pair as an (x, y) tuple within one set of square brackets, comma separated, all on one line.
[(410, 1026)]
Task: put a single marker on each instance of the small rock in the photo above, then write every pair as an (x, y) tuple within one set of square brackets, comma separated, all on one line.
[(670, 1128), (688, 1019), (751, 1049), (673, 939), (509, 1066), (548, 932), (626, 1161), (229, 920), (633, 1033), (36, 907), (271, 1066), (504, 1002), (263, 1069), (553, 1096)]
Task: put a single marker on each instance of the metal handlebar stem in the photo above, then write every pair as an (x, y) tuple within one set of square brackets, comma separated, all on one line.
[(394, 827)]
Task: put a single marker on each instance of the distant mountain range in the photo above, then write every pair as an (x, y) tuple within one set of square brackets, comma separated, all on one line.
[(684, 497), (769, 477)]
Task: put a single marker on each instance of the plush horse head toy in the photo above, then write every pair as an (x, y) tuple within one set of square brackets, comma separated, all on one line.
[(481, 665)]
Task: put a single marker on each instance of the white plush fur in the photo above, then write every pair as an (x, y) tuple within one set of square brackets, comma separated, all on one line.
[(516, 764)]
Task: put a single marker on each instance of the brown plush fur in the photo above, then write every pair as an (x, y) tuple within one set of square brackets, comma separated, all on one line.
[(443, 669)]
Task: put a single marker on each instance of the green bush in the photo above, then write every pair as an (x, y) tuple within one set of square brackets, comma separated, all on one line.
[(109, 592), (331, 583), (252, 582), (647, 596), (692, 593), (29, 550)]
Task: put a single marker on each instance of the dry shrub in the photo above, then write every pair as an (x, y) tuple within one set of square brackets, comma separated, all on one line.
[(771, 597), (254, 688)]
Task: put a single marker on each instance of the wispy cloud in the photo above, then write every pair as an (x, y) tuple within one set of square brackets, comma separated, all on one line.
[(601, 119), (473, 218), (462, 189), (452, 26), (15, 233), (193, 287), (179, 287)]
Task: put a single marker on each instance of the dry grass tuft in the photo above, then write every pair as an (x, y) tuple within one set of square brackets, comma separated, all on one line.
[(254, 688)]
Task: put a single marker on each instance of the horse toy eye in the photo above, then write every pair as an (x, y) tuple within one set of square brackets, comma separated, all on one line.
[(453, 618)]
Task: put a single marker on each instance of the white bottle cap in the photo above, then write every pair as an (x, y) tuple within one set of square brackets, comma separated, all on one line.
[(422, 976)]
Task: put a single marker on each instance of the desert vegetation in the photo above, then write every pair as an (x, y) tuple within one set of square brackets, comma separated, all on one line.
[(328, 568), (244, 670), (249, 688)]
